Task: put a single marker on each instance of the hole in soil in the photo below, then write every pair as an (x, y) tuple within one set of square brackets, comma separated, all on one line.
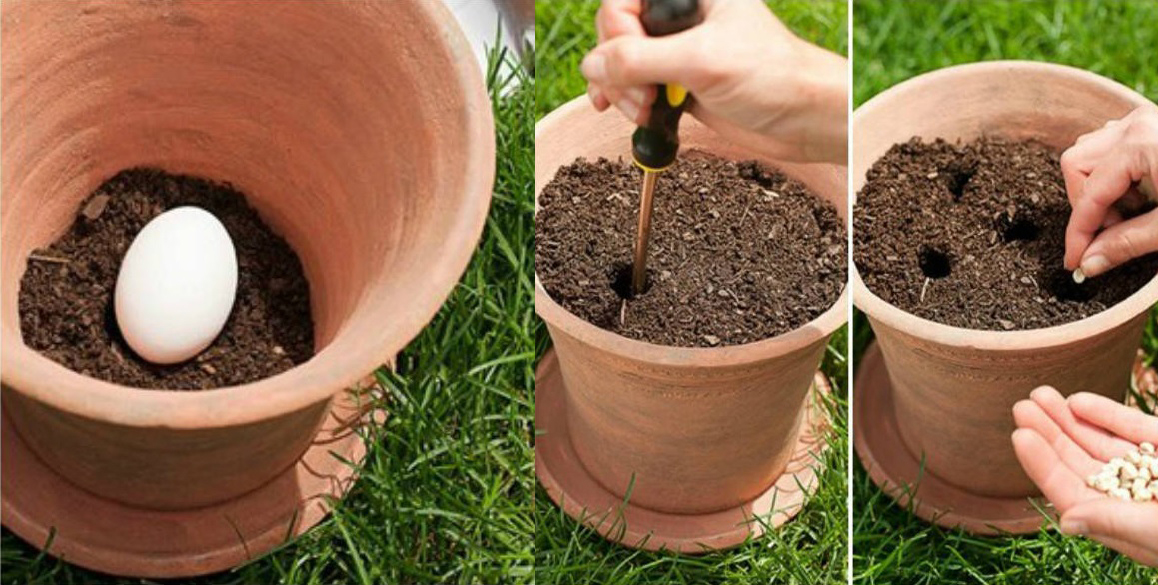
[(959, 176), (934, 263), (1016, 230), (1062, 286), (621, 281)]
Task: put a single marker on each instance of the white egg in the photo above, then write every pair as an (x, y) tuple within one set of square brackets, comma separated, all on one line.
[(176, 285)]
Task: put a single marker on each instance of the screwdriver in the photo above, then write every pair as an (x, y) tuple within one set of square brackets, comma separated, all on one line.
[(655, 144)]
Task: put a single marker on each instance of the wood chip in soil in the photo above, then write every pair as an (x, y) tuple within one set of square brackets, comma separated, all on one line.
[(973, 235), (66, 294), (739, 252)]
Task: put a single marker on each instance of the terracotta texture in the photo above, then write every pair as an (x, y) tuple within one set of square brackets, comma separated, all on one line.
[(899, 471), (582, 497), (892, 466), (112, 537), (953, 389), (373, 159), (691, 430)]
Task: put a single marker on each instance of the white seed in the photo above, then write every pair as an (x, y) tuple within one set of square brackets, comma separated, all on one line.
[(1147, 448), (1079, 276), (1106, 483), (1128, 472), (1143, 495), (1131, 477)]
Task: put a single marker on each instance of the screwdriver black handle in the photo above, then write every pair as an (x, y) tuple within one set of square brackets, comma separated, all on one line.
[(655, 144)]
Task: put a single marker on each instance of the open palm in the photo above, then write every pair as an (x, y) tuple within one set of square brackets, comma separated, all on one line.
[(1061, 441)]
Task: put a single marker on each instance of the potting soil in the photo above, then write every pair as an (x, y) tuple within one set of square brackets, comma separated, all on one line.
[(739, 252), (66, 294), (973, 235)]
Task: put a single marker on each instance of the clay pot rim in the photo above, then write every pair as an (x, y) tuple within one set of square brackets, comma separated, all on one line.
[(1026, 339), (32, 374), (673, 356)]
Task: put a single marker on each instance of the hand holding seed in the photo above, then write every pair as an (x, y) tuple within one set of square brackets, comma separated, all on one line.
[(1107, 172), (1062, 442)]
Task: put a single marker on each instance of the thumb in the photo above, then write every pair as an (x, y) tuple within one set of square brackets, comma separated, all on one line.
[(1121, 243), (635, 60), (1113, 519)]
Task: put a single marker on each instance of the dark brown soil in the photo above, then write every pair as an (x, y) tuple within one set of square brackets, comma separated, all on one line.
[(66, 295), (739, 252), (973, 236)]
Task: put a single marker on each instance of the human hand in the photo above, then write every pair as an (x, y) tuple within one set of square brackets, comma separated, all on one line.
[(1101, 172), (753, 81), (1060, 442)]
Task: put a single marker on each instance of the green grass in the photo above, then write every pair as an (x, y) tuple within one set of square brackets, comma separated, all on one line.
[(446, 491), (892, 42), (812, 548)]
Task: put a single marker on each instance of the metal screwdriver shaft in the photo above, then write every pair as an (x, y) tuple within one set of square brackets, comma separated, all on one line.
[(643, 233), (655, 144)]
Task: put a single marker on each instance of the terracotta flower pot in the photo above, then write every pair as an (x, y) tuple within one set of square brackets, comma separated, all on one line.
[(948, 393), (373, 159), (698, 440)]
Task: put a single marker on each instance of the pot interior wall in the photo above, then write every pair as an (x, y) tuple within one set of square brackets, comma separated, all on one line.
[(346, 141)]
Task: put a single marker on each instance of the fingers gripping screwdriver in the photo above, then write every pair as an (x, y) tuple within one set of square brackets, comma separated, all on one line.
[(655, 144)]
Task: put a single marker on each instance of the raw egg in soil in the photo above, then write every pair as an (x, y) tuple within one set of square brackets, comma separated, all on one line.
[(176, 285)]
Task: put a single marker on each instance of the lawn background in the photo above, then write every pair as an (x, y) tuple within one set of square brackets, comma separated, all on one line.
[(446, 489), (812, 548), (893, 41)]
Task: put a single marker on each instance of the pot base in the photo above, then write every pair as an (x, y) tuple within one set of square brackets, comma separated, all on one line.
[(894, 468), (584, 499), (42, 507)]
